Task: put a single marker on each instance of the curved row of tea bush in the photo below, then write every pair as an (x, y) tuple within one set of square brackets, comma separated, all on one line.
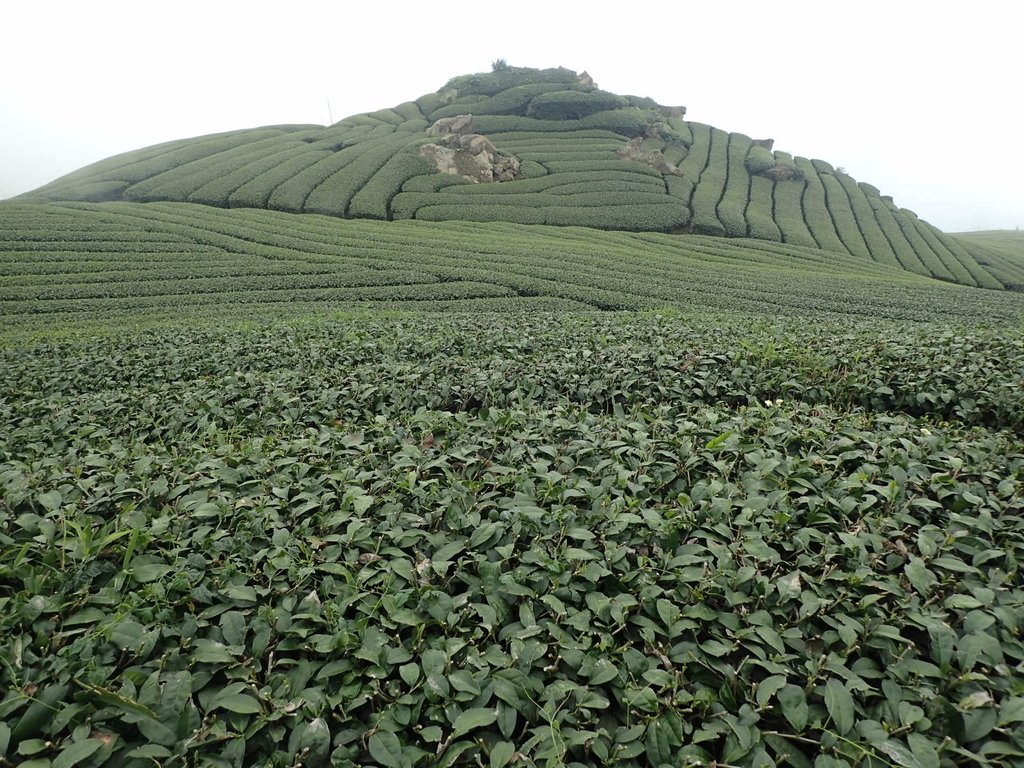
[(169, 259)]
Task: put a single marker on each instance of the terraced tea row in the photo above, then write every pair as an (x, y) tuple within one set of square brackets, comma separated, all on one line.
[(576, 156), (165, 260)]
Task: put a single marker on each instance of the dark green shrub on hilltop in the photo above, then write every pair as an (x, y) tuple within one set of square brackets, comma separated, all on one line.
[(490, 83), (573, 105), (512, 101)]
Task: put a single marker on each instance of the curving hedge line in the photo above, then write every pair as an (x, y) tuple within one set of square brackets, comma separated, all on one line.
[(573, 105), (710, 186), (736, 194), (841, 208), (815, 208), (759, 211)]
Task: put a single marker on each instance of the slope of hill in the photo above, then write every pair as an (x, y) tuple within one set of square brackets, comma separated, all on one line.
[(1000, 252), (78, 263), (546, 147)]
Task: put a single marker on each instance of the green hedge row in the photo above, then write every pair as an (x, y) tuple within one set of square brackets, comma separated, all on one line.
[(374, 199), (434, 181), (627, 122), (736, 194), (682, 129), (841, 209), (180, 182), (571, 166), (139, 164), (567, 155), (625, 187), (387, 116), (928, 257), (697, 158), (291, 194), (406, 204), (531, 169), (681, 188), (815, 208), (583, 178), (334, 195), (219, 191), (573, 105), (904, 252), (189, 152), (789, 213), (87, 192), (255, 192), (959, 271), (710, 186), (876, 241), (662, 217), (957, 252), (573, 137), (760, 221)]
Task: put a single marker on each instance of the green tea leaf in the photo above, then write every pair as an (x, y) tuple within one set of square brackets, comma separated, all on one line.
[(839, 704), (501, 754), (386, 749), (472, 719), (794, 706), (76, 752), (238, 702)]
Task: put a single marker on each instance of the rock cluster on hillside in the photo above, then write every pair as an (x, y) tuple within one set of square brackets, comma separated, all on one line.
[(461, 152)]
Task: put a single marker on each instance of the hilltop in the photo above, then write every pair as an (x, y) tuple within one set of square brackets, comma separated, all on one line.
[(538, 146)]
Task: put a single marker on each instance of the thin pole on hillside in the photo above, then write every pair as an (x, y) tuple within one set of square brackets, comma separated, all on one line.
[(330, 117)]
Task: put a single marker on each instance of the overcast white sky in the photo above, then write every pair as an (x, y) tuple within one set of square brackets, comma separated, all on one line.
[(922, 99)]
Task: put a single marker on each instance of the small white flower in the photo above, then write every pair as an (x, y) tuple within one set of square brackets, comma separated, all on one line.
[(925, 431), (779, 401), (767, 403)]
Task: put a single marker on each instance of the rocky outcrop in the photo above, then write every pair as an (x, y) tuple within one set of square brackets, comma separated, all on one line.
[(782, 172), (584, 79), (472, 156), (446, 126), (634, 150), (764, 143), (670, 112)]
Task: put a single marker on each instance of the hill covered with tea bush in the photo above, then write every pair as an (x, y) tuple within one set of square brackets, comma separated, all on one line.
[(530, 146)]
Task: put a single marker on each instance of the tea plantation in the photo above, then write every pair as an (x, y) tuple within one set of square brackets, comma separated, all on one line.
[(426, 481), (585, 157)]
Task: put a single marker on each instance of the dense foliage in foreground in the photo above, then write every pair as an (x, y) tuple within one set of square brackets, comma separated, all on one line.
[(514, 540)]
